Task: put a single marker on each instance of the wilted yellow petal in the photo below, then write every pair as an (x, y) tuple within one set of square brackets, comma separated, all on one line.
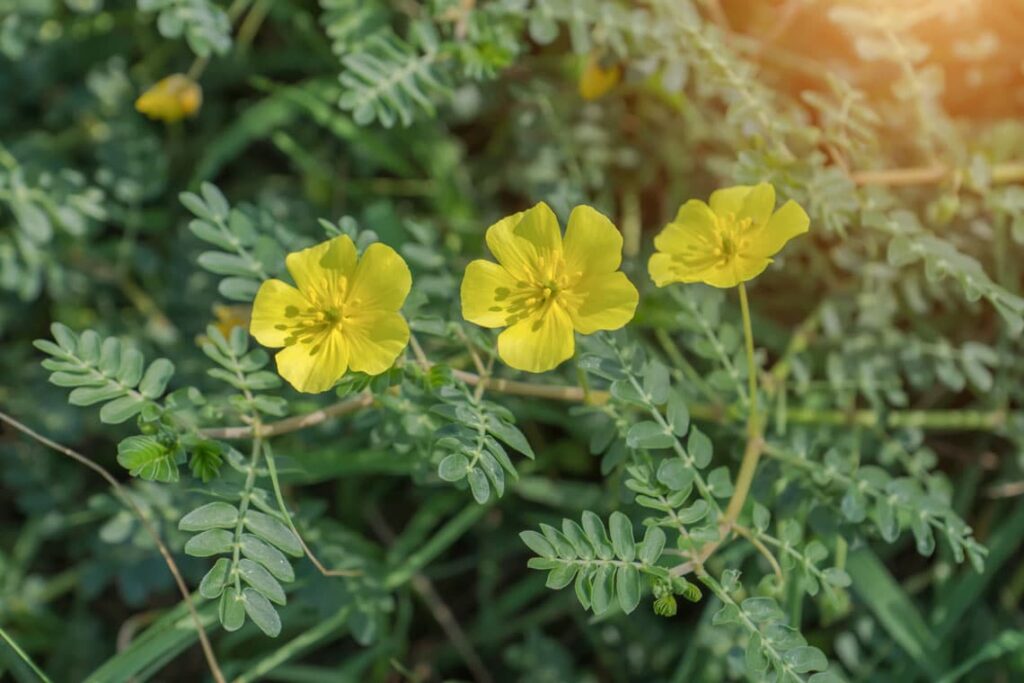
[(487, 293), (375, 339), (785, 224), (602, 301), (171, 99), (381, 282), (538, 343), (316, 364), (276, 312), (596, 80), (592, 243)]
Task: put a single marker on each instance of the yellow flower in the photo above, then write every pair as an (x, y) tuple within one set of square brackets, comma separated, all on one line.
[(543, 287), (596, 80), (730, 242), (230, 317), (171, 99), (344, 314)]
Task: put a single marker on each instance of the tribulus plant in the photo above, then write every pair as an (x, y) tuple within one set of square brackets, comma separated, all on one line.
[(511, 340)]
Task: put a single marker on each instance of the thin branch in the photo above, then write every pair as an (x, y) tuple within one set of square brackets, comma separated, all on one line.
[(272, 468), (291, 424), (949, 420), (122, 493), (761, 548), (1008, 172)]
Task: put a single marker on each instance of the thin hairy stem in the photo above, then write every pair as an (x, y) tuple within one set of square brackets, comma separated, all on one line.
[(123, 495), (272, 468), (755, 440)]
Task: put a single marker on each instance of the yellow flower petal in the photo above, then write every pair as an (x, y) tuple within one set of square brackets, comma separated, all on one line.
[(603, 301), (486, 293), (375, 339), (526, 241), (695, 228), (316, 365), (319, 269), (739, 270), (381, 281), (538, 343), (786, 223), (592, 243), (744, 201), (275, 310)]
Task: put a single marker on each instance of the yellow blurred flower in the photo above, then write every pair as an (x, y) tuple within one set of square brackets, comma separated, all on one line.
[(230, 317), (596, 80), (343, 316), (171, 99), (544, 288), (727, 243)]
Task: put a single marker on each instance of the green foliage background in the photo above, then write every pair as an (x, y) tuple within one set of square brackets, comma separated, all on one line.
[(881, 540)]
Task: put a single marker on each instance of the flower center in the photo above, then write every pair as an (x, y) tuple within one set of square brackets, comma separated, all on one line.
[(332, 317), (732, 238)]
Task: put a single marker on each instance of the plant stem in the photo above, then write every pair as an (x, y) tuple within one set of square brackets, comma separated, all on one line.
[(24, 656), (147, 524), (755, 441)]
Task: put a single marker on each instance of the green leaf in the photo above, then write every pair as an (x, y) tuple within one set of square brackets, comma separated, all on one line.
[(698, 445), (538, 544), (479, 485), (754, 657), (805, 659), (597, 535), (130, 371), (678, 414), (562, 545), (453, 467), (674, 474), (273, 531), (652, 545), (121, 410), (261, 612), (155, 380), (510, 435), (260, 579), (87, 396), (697, 511), (762, 610), (649, 435), (621, 530), (627, 587), (215, 580), (232, 610), (720, 483), (580, 543), (561, 576), (729, 614), (147, 458), (209, 543), (269, 556), (603, 589), (216, 515)]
